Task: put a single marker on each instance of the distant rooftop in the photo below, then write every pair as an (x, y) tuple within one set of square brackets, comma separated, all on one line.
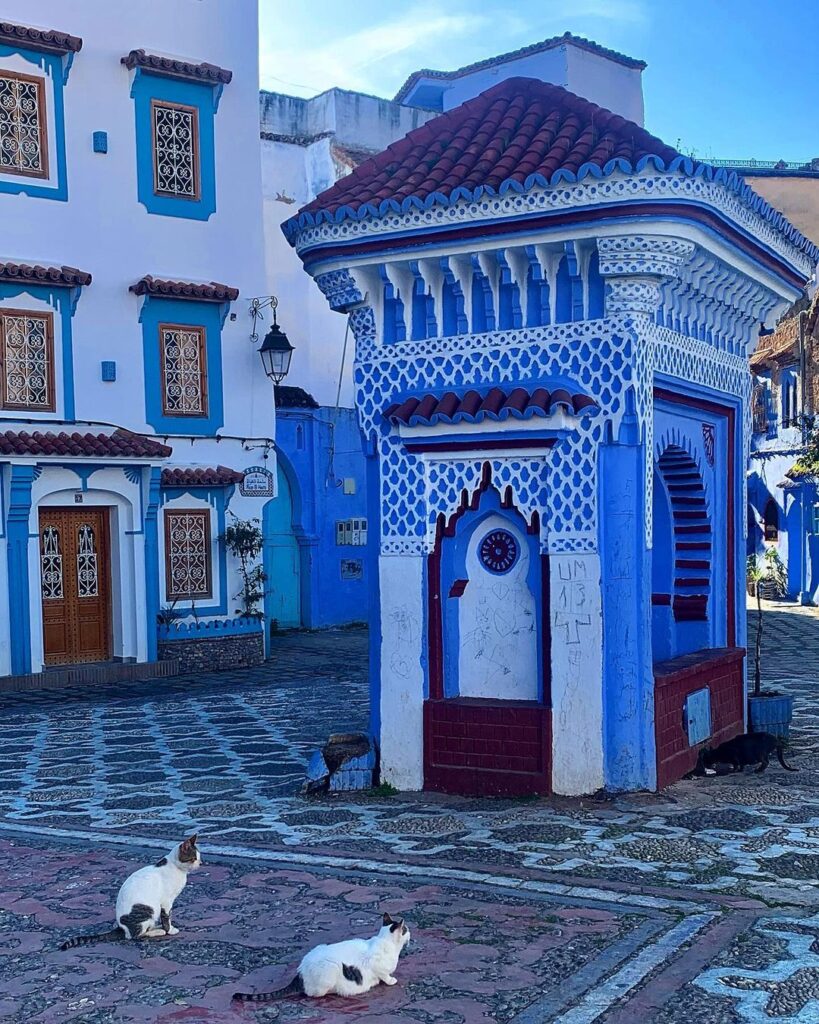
[(771, 168), (504, 58)]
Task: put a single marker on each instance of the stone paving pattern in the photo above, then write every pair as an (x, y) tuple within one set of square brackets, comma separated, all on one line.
[(225, 754)]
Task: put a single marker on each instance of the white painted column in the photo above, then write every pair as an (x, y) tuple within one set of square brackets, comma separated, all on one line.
[(402, 671), (577, 674)]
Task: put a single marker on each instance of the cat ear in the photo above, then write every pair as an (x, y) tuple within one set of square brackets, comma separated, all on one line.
[(397, 923), (387, 920)]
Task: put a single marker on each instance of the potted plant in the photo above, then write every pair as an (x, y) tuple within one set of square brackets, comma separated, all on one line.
[(768, 711), (245, 540)]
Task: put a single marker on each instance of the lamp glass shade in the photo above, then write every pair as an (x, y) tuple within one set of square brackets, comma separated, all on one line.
[(276, 352)]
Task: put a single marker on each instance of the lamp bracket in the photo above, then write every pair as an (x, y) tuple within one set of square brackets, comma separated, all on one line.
[(257, 304)]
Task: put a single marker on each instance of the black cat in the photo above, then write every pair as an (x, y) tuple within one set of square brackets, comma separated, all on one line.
[(752, 748)]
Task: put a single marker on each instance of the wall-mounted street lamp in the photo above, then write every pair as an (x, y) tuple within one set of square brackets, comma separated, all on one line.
[(276, 351)]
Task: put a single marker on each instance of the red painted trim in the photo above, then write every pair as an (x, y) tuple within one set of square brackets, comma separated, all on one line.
[(546, 630), (477, 445), (517, 225), (496, 767), (435, 618), (729, 414)]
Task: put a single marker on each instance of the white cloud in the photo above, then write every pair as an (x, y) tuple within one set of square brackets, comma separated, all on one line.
[(407, 42)]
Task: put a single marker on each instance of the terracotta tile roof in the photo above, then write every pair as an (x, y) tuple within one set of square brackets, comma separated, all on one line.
[(519, 135), (213, 292), (189, 476), (516, 129), (504, 58), (23, 273), (211, 74), (497, 404), (121, 444), (46, 40)]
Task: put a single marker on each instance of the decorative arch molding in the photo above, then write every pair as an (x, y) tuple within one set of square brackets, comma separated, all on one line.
[(692, 538), (444, 529), (519, 482)]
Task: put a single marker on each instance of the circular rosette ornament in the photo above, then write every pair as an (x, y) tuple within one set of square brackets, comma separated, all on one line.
[(498, 551)]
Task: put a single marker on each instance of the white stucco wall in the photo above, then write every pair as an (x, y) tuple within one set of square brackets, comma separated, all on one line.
[(497, 624), (402, 674), (577, 674), (596, 77), (104, 230), (301, 160)]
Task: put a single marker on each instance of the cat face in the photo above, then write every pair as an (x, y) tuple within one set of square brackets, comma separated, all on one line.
[(395, 929), (187, 854)]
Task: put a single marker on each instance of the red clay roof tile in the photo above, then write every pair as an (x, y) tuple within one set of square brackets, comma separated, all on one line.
[(519, 127), (46, 40), (474, 407), (121, 444), (23, 273), (191, 476), (213, 292), (174, 68)]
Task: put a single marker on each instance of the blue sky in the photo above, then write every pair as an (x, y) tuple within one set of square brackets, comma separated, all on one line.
[(725, 79)]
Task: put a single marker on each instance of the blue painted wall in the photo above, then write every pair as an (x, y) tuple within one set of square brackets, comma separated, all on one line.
[(318, 449)]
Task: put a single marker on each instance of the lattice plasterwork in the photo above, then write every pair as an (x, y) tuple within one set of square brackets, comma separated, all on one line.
[(596, 356), (591, 192)]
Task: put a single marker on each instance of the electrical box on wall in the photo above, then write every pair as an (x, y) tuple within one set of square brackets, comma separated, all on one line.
[(352, 532)]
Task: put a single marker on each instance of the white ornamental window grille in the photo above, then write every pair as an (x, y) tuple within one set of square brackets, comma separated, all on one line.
[(187, 554), (23, 148), (87, 567), (176, 150), (26, 361), (51, 562), (184, 381)]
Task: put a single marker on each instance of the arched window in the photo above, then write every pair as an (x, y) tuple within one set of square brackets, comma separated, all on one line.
[(760, 409), (770, 521)]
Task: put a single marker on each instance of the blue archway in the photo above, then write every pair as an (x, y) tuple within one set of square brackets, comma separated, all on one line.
[(282, 557)]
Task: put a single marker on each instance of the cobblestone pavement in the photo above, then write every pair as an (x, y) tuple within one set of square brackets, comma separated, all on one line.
[(698, 904)]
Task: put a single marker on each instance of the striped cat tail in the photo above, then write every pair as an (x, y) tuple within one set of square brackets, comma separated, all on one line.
[(87, 940), (295, 988)]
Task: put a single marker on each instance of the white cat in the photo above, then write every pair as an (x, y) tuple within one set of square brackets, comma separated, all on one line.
[(344, 968), (147, 896)]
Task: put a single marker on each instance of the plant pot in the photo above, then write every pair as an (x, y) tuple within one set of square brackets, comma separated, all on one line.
[(771, 714), (768, 590)]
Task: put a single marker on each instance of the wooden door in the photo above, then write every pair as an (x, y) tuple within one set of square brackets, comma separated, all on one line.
[(75, 575)]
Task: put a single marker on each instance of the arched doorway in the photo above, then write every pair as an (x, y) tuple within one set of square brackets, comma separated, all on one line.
[(282, 562), (683, 554)]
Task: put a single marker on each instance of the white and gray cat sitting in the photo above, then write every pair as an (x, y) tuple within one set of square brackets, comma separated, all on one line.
[(347, 968), (146, 898)]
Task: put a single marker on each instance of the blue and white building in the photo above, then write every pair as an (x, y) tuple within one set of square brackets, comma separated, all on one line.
[(308, 145), (132, 400), (783, 503), (553, 313)]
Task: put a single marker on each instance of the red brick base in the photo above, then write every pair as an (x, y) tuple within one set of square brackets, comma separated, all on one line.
[(721, 671), (480, 747)]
